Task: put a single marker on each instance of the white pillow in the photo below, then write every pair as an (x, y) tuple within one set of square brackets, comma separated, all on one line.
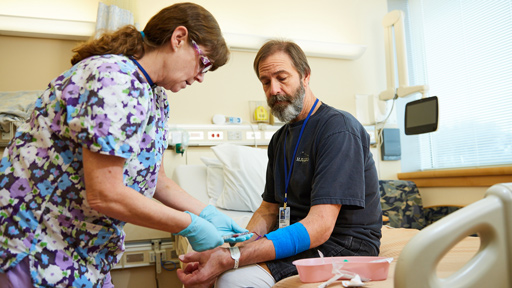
[(214, 178), (244, 176)]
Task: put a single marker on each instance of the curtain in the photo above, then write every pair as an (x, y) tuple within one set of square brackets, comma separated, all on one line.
[(111, 17)]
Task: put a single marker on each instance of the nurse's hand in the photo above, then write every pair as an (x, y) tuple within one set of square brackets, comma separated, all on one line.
[(201, 234), (224, 224)]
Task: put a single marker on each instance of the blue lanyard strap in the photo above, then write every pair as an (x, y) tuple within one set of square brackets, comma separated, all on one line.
[(153, 85), (288, 174)]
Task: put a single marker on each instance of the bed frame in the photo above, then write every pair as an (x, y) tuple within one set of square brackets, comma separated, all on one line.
[(491, 219)]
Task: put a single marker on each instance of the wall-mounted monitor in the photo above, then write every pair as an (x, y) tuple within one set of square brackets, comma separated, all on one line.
[(421, 116)]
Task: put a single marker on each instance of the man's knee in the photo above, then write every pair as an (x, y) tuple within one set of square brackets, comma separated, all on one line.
[(247, 276)]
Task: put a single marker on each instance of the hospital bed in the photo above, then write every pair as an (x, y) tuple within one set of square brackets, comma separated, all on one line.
[(15, 108), (444, 254)]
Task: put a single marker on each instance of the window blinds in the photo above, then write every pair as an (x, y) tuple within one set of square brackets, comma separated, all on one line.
[(462, 49)]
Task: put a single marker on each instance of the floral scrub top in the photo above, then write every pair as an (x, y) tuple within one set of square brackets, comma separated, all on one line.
[(101, 103)]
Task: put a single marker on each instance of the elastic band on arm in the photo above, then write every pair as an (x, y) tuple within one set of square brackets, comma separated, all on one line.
[(290, 240)]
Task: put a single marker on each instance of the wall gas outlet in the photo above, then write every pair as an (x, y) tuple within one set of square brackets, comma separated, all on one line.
[(136, 258), (175, 137), (196, 135), (6, 136), (253, 135), (269, 134)]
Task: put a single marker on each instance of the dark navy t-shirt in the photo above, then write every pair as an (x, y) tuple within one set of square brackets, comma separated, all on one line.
[(333, 165)]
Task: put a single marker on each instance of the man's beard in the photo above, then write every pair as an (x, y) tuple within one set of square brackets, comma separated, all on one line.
[(292, 107)]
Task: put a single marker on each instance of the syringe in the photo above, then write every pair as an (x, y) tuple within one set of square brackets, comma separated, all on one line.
[(235, 235)]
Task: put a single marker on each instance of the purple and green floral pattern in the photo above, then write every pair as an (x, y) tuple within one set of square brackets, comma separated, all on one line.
[(105, 105)]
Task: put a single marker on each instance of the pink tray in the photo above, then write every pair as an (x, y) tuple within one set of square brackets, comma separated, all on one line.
[(318, 269)]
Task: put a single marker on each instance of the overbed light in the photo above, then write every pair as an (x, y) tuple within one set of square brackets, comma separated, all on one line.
[(251, 43)]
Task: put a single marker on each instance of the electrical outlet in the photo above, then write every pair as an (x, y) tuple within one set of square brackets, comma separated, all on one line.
[(215, 135), (234, 135)]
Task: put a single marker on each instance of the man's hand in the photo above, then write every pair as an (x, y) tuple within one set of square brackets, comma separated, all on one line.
[(203, 268)]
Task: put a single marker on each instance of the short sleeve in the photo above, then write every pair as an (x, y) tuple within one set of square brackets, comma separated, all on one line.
[(105, 106), (340, 169), (269, 191)]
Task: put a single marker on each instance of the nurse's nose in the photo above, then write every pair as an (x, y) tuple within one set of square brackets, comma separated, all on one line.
[(199, 77)]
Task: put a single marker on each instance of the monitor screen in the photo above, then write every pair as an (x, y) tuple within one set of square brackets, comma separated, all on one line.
[(421, 116)]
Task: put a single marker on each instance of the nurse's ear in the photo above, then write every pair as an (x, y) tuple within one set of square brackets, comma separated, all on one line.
[(179, 38)]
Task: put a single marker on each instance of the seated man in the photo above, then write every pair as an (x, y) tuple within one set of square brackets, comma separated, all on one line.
[(321, 191)]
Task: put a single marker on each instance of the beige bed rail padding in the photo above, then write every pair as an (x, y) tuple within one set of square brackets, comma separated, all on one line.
[(491, 219)]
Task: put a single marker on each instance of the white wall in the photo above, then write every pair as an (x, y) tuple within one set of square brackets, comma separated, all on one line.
[(332, 21), (76, 10), (229, 90), (334, 81)]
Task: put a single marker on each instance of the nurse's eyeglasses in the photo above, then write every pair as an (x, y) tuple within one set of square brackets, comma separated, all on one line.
[(207, 64)]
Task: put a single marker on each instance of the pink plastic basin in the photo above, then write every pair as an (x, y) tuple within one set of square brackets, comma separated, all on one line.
[(319, 270)]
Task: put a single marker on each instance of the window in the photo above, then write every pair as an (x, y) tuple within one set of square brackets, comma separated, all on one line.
[(462, 49)]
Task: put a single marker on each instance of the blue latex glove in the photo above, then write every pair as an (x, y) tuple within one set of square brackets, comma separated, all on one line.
[(201, 234), (224, 224)]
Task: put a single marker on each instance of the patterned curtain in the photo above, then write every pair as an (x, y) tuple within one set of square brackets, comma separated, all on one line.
[(111, 17)]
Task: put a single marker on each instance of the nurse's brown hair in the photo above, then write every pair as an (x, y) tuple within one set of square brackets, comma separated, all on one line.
[(201, 25)]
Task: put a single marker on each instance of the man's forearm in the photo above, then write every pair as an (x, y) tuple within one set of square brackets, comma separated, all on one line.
[(257, 252), (264, 219)]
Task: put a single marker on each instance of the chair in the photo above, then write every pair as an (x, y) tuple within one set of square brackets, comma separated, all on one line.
[(402, 204), (435, 213)]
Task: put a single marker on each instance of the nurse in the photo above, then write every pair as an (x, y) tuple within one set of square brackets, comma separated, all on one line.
[(90, 157)]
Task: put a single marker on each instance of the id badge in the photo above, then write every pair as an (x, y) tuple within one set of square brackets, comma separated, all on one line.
[(284, 217)]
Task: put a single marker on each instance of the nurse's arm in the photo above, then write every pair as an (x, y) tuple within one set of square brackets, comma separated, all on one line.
[(172, 195), (107, 194)]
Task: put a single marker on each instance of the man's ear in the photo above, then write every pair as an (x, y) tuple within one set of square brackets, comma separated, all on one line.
[(179, 37), (305, 81)]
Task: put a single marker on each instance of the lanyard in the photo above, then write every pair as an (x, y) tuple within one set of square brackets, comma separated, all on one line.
[(288, 174), (153, 85)]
